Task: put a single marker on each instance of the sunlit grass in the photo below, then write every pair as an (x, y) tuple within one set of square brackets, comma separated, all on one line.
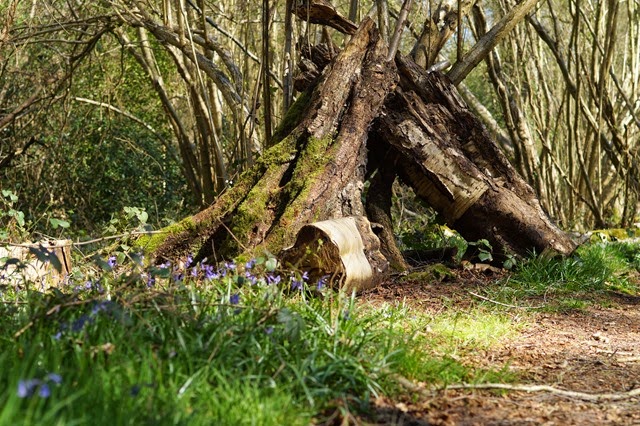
[(586, 277)]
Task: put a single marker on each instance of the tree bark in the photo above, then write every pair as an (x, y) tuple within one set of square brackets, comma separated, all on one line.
[(314, 173), (368, 118)]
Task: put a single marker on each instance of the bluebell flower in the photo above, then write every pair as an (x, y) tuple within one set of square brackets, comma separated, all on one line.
[(103, 305), (296, 284), (322, 282), (135, 390), (44, 391), (273, 279), (209, 272), (55, 378), (230, 265), (250, 264), (268, 330), (151, 281), (251, 278), (88, 285), (78, 324), (189, 261), (27, 387), (112, 261), (234, 299), (305, 276), (194, 272)]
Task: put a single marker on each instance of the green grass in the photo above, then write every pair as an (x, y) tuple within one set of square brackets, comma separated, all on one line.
[(239, 349), (587, 277), (232, 349), (186, 351)]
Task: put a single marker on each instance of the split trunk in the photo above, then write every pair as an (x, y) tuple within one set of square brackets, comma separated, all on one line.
[(364, 119)]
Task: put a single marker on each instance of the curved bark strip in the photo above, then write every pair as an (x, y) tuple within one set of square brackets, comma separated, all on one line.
[(344, 249)]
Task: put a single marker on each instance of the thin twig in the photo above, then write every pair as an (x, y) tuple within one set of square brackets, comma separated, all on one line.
[(504, 304), (84, 243), (395, 40), (591, 397)]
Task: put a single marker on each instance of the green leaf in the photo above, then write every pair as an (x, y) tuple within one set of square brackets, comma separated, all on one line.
[(271, 264), (58, 222), (485, 256)]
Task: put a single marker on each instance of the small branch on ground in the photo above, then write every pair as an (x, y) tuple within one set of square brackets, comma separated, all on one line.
[(590, 397), (504, 304)]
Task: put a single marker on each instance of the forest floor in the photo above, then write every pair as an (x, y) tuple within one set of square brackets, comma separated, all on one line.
[(593, 350)]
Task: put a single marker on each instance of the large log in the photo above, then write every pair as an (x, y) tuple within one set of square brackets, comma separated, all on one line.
[(315, 173), (360, 124), (449, 159)]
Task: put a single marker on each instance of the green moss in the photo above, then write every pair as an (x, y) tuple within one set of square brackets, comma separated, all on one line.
[(149, 243), (436, 272), (614, 234), (291, 118)]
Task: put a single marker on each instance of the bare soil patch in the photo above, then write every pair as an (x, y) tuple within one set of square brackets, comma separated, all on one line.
[(596, 350)]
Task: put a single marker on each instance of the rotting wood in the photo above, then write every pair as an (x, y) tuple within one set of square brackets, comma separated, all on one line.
[(315, 173), (345, 249), (367, 118), (47, 263)]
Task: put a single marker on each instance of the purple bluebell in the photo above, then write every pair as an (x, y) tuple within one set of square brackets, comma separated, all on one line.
[(27, 388), (112, 261), (54, 377), (209, 272), (250, 264), (251, 278), (44, 391), (234, 299), (322, 282), (268, 330), (273, 279), (296, 284)]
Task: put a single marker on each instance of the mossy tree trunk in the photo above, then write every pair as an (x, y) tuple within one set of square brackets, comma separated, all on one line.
[(315, 173), (371, 119)]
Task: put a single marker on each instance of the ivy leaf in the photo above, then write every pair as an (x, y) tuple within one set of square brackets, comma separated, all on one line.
[(55, 223)]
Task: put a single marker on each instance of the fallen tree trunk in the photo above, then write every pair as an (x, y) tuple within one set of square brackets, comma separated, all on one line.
[(370, 119), (314, 173), (449, 159)]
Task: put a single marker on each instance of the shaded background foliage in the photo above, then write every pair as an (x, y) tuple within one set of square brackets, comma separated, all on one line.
[(162, 105)]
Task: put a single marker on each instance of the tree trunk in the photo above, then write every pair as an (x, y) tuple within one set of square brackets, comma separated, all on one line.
[(314, 173), (368, 118)]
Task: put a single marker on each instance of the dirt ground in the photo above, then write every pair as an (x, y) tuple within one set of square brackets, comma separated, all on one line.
[(596, 350)]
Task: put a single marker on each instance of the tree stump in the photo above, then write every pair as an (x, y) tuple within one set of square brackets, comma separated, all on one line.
[(365, 118)]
